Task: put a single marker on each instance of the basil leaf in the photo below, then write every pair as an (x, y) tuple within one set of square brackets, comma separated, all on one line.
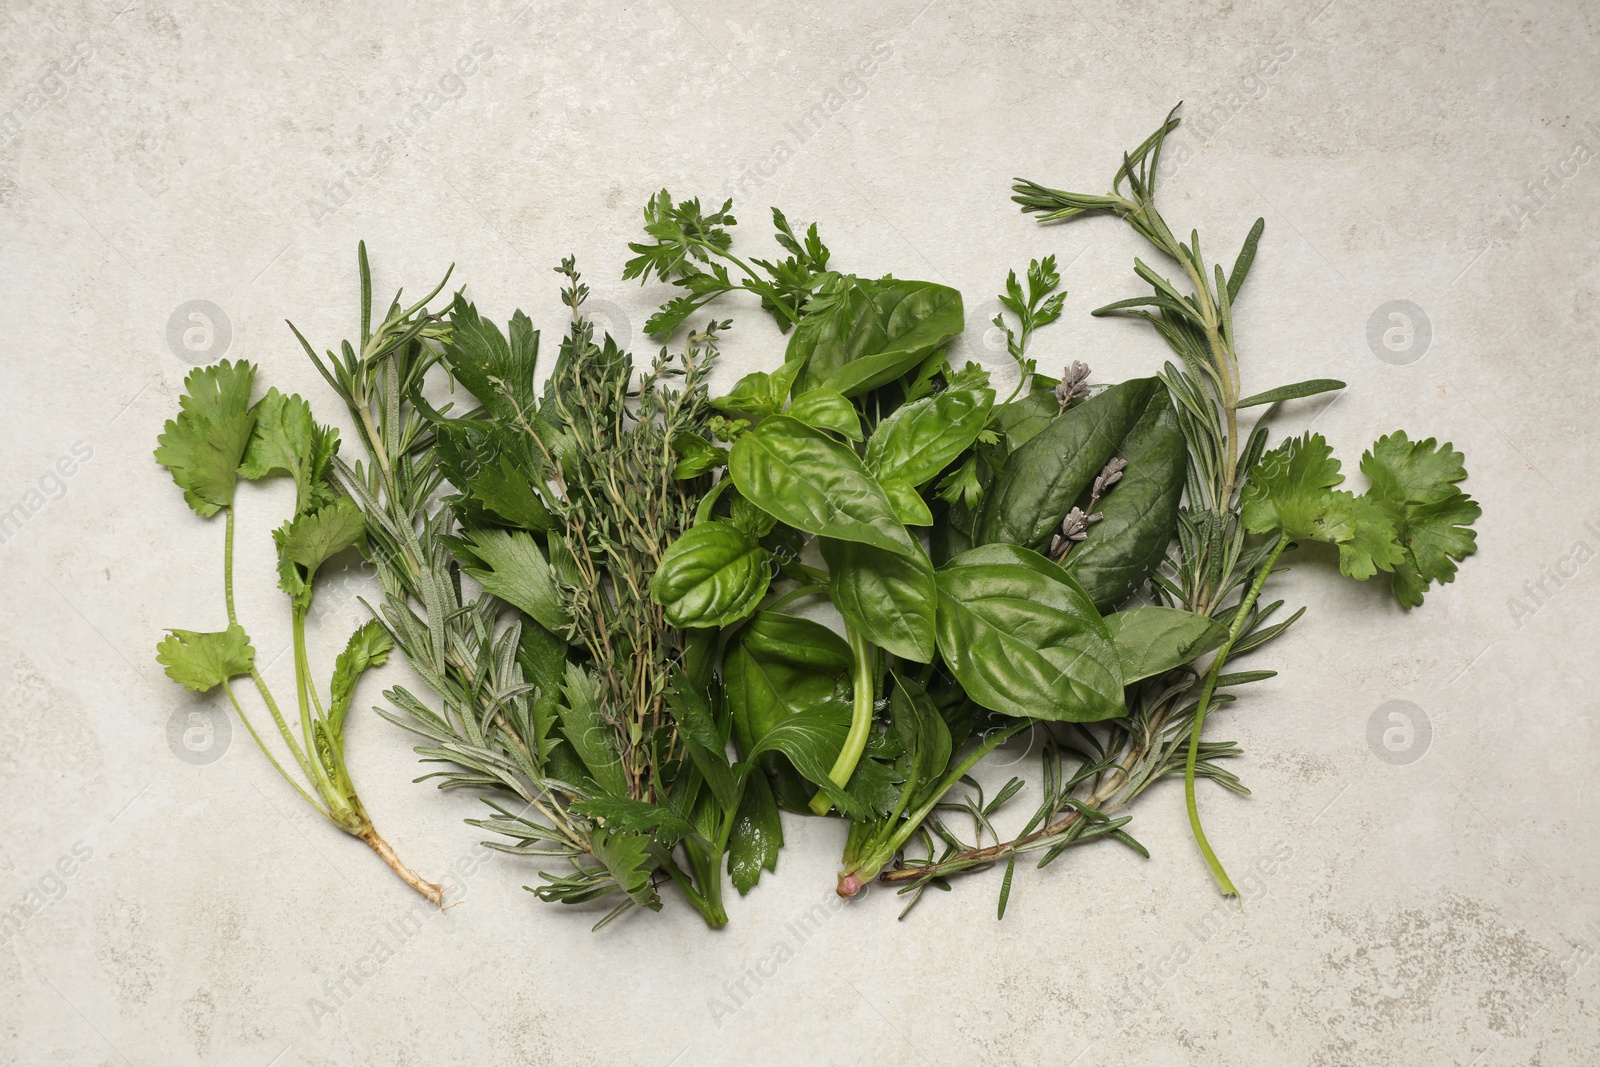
[(713, 575), (1154, 640), (697, 456), (908, 505), (811, 739), (1044, 477), (758, 394), (827, 409), (857, 335), (812, 482), (1021, 420), (1024, 639), (922, 438), (776, 666), (887, 595), (1140, 514)]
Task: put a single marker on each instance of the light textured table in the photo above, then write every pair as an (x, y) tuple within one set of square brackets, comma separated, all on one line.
[(1432, 910)]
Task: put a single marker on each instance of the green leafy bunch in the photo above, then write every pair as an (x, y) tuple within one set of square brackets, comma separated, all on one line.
[(218, 437), (692, 250), (1412, 523)]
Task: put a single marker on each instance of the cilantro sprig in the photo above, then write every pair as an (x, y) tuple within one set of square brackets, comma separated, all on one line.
[(218, 438)]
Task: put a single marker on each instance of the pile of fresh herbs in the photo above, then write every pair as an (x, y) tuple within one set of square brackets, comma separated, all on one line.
[(597, 581)]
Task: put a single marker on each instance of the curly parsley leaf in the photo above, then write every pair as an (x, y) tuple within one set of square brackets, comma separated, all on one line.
[(203, 447), (1414, 484), (201, 661)]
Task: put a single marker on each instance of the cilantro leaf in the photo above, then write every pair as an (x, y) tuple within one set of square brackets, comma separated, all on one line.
[(288, 439), (1292, 490), (218, 391), (307, 541), (1414, 484), (368, 647), (203, 446), (1367, 539), (201, 661)]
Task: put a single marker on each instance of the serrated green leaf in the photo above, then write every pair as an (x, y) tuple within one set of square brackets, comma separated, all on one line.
[(368, 647), (627, 858), (203, 447), (590, 736), (636, 816), (1414, 483), (288, 440), (307, 541), (509, 565), (201, 661)]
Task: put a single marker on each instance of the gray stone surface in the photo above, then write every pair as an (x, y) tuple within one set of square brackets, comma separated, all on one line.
[(1432, 910)]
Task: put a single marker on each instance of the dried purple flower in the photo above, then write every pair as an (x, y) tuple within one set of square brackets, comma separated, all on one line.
[(1110, 475), (1074, 528), (1074, 384)]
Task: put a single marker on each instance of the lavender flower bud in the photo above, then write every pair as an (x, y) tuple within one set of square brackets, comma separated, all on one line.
[(1109, 476), (1073, 384), (1074, 528)]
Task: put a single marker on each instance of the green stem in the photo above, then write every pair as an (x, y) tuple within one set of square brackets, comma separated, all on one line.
[(1240, 614), (877, 856), (255, 675), (227, 566), (855, 742), (265, 751), (766, 288), (343, 812)]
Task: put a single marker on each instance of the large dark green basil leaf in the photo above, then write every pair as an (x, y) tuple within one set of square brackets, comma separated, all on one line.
[(921, 438), (1020, 421), (1051, 472), (1154, 640), (1140, 513), (857, 335), (1024, 639), (777, 666), (812, 482), (1043, 478), (889, 596), (713, 575)]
